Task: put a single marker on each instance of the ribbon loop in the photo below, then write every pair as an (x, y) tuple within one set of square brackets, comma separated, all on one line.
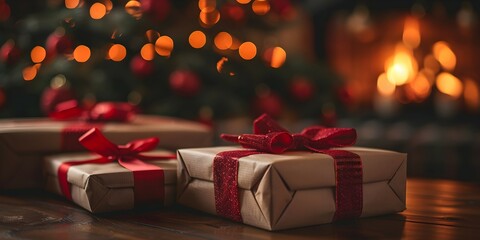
[(100, 112)]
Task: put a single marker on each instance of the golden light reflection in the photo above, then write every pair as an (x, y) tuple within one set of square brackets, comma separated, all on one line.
[(148, 52), (449, 84), (223, 40), (402, 67), (444, 55), (134, 8), (197, 39), (471, 95), (81, 53), (411, 33), (247, 50), (98, 11), (117, 52), (164, 46), (202, 4), (261, 7), (243, 1), (38, 54), (275, 56), (209, 16), (384, 86), (71, 4)]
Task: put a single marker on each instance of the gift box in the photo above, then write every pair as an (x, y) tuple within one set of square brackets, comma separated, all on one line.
[(113, 177), (23, 142), (291, 189)]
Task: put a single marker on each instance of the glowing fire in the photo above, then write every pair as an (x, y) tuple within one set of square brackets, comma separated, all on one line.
[(402, 67), (449, 84), (444, 55)]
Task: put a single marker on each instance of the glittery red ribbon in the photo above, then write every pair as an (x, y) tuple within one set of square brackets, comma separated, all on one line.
[(272, 138), (148, 179)]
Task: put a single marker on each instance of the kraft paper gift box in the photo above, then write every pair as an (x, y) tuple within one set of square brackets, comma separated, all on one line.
[(105, 187), (292, 189), (23, 142)]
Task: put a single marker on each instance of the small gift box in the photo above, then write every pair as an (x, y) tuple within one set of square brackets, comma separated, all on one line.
[(113, 178), (23, 142), (316, 181)]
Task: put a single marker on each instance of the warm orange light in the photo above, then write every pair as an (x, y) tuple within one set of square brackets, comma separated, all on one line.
[(70, 4), (152, 35), (148, 51), (444, 55), (220, 64), (134, 8), (384, 86), (420, 86), (209, 16), (108, 5), (243, 1), (202, 4), (449, 84), (97, 10), (197, 39), (402, 67), (164, 46), (38, 54), (247, 50), (117, 52), (29, 73), (429, 62), (223, 41), (411, 33), (81, 53), (235, 44), (275, 56), (471, 95), (261, 7)]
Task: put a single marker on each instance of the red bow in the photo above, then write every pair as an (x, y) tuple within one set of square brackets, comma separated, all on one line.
[(270, 137), (148, 178), (104, 111)]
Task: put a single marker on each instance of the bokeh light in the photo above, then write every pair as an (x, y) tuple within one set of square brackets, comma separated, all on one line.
[(30, 72), (209, 16), (243, 1), (81, 53), (202, 4), (420, 86), (247, 50), (220, 64), (71, 4), (411, 33), (134, 8), (4, 11), (38, 54), (197, 39), (117, 52), (223, 40), (261, 7), (108, 5), (275, 57), (164, 46), (152, 35), (148, 51), (449, 84), (471, 95), (98, 11), (444, 55), (384, 86), (402, 67)]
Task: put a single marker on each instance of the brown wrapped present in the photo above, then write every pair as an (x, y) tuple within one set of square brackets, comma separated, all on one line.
[(23, 142), (117, 177), (292, 189)]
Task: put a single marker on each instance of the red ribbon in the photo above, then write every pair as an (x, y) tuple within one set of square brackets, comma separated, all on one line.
[(272, 138), (148, 178)]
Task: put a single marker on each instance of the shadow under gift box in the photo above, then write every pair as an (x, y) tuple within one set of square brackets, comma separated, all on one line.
[(293, 189), (106, 187), (24, 142)]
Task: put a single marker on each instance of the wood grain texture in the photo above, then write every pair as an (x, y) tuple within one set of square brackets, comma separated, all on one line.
[(435, 209)]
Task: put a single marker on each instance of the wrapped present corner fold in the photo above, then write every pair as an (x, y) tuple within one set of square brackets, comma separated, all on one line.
[(145, 175), (275, 183)]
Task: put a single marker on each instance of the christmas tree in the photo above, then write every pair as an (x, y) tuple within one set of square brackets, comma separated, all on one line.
[(199, 60)]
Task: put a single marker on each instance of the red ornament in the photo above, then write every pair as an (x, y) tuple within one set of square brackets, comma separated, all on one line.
[(269, 103), (53, 96), (301, 89), (9, 53), (158, 9), (141, 67), (233, 12), (58, 43), (184, 83)]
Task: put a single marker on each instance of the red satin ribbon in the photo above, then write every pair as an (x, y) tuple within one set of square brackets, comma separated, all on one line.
[(101, 112), (272, 138), (148, 179)]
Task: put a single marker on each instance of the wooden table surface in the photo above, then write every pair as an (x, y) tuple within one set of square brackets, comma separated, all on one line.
[(436, 209)]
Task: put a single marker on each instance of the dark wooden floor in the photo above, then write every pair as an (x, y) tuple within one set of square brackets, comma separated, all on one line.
[(436, 210)]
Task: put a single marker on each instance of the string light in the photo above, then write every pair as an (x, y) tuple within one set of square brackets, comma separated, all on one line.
[(275, 56), (384, 86), (164, 46), (449, 84), (81, 53), (117, 52), (243, 1), (148, 51), (223, 40), (30, 72), (197, 39), (71, 4), (97, 11), (247, 50), (209, 16), (261, 7), (152, 35), (444, 55), (38, 54), (202, 4), (134, 8)]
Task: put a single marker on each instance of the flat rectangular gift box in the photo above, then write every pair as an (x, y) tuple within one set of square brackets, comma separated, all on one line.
[(23, 142), (292, 189), (105, 187)]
